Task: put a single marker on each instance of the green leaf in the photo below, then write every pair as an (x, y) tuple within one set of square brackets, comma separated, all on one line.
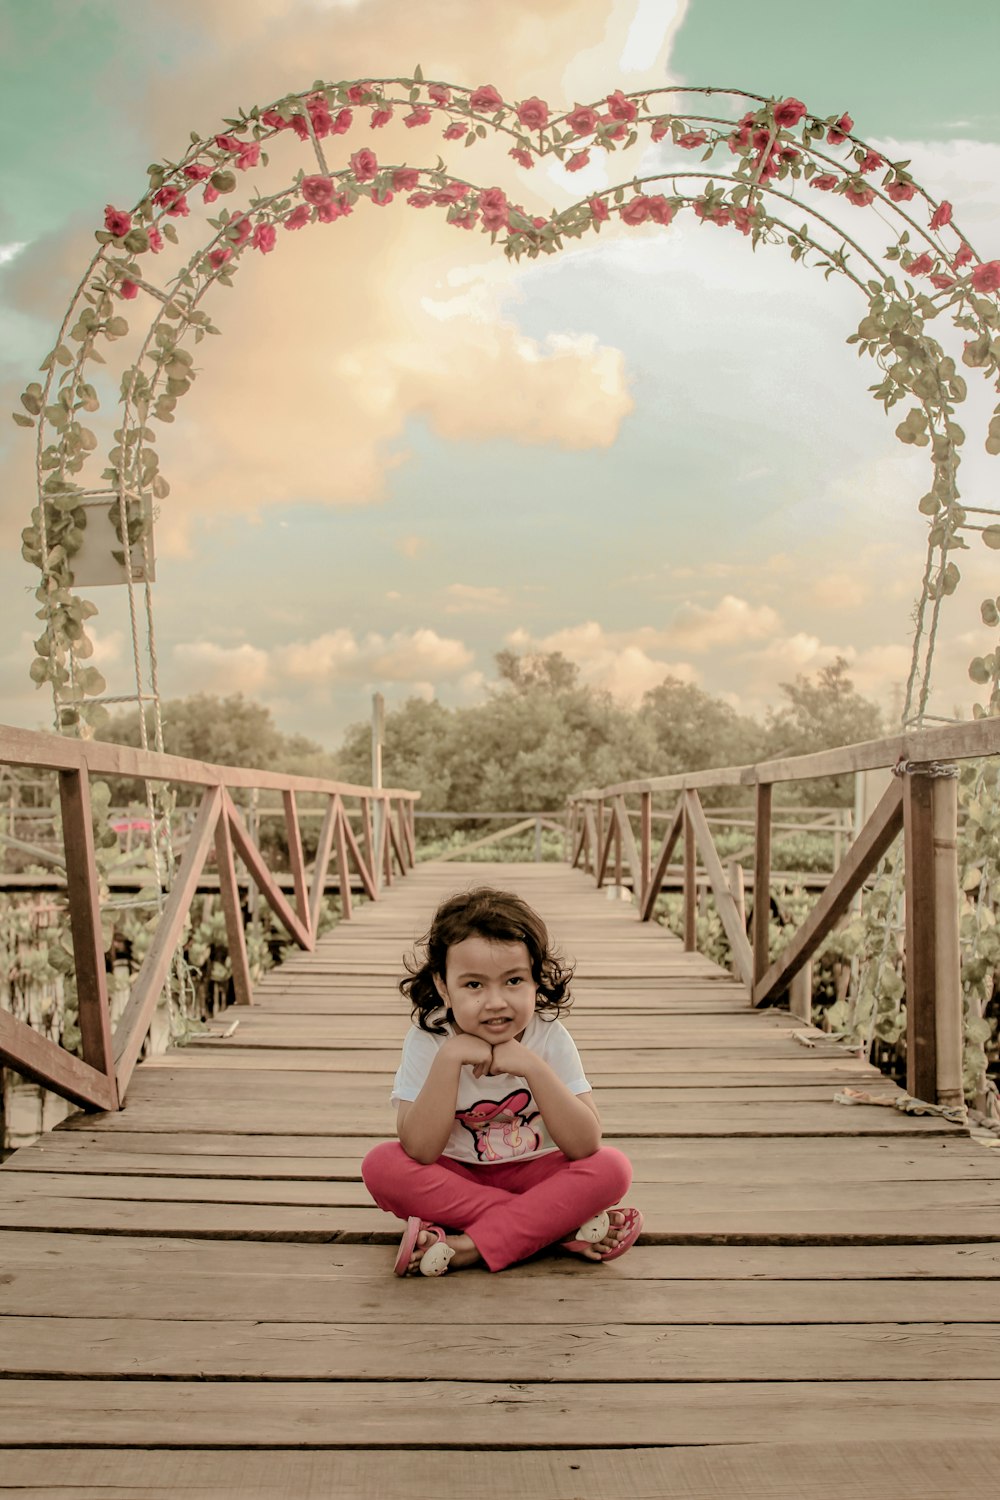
[(991, 536), (21, 419)]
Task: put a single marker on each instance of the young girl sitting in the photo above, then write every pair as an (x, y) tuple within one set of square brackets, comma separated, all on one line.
[(499, 1150)]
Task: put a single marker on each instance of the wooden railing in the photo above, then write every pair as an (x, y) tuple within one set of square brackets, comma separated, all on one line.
[(99, 1079), (921, 801)]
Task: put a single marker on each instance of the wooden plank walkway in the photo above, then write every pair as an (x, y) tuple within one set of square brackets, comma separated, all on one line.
[(198, 1295)]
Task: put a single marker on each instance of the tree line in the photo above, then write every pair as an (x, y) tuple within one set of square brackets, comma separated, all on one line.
[(540, 735)]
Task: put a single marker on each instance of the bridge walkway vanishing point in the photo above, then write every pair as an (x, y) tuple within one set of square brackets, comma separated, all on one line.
[(199, 1298)]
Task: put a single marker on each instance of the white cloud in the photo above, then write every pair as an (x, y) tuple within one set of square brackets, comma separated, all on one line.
[(470, 598), (337, 656), (732, 620)]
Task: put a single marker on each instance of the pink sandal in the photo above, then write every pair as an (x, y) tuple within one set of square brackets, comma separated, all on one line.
[(596, 1228), (434, 1261)]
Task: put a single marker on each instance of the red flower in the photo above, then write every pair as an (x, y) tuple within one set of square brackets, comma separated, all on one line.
[(860, 194), (128, 290), (660, 129), (381, 196), (485, 98), (636, 210), (298, 124), (869, 162), (356, 93), (466, 220), (172, 200), (986, 278), (620, 108), (453, 193), (660, 211), (919, 266), (218, 257), (825, 182), (210, 194), (319, 115), (238, 230), (692, 139), (533, 113), (421, 200), (578, 160), (455, 131), (941, 215), (618, 133), (337, 208), (942, 281), (381, 116), (317, 190), (117, 221), (787, 155), (840, 131), (264, 237), (229, 143), (760, 139), (718, 215), (272, 118), (155, 239), (494, 208), (343, 122), (439, 93), (743, 219), (583, 120), (297, 218), (788, 113), (364, 165), (900, 192), (598, 210), (522, 157), (419, 116), (538, 222), (197, 171), (962, 258), (405, 179)]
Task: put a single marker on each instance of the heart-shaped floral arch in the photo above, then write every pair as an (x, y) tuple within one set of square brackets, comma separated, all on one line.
[(774, 162)]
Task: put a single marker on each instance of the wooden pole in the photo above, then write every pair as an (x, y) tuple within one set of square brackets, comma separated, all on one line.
[(762, 883), (690, 887), (94, 1017), (645, 844), (921, 934), (948, 1011), (800, 993), (378, 806)]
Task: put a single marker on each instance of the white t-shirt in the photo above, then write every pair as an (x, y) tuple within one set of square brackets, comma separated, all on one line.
[(496, 1118)]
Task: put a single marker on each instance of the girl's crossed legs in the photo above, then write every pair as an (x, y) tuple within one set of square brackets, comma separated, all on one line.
[(511, 1209)]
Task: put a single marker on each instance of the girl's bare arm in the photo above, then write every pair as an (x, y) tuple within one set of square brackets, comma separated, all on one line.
[(572, 1119), (424, 1125)]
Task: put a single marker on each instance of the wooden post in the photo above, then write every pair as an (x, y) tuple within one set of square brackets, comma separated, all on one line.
[(378, 806), (538, 841), (762, 882), (690, 887), (232, 909), (645, 844), (933, 976), (370, 844), (737, 885), (296, 859), (343, 869), (618, 848), (800, 993), (85, 922)]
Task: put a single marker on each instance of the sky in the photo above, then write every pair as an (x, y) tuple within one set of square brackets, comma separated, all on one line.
[(654, 452)]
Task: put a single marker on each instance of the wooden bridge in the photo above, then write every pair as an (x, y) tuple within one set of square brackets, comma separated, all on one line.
[(198, 1291)]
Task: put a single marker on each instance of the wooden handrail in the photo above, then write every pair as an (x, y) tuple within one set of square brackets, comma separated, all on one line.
[(100, 1079), (923, 803), (969, 741)]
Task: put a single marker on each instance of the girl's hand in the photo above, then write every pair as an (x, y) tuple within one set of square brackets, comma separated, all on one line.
[(512, 1057), (471, 1050)]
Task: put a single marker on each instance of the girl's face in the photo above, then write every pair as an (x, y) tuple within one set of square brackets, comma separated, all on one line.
[(489, 988)]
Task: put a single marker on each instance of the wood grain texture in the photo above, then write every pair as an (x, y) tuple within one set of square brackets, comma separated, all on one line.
[(204, 1270)]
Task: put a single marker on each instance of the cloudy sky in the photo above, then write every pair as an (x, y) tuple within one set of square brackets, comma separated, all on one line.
[(654, 453)]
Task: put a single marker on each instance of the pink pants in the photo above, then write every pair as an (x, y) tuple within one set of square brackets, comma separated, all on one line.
[(510, 1209)]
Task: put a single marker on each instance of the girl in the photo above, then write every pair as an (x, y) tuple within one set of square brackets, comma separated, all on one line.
[(499, 1136)]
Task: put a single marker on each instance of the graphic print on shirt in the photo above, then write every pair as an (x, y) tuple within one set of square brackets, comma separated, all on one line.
[(501, 1129)]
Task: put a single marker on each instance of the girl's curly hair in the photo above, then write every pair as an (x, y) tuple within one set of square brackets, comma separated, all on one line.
[(500, 917)]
